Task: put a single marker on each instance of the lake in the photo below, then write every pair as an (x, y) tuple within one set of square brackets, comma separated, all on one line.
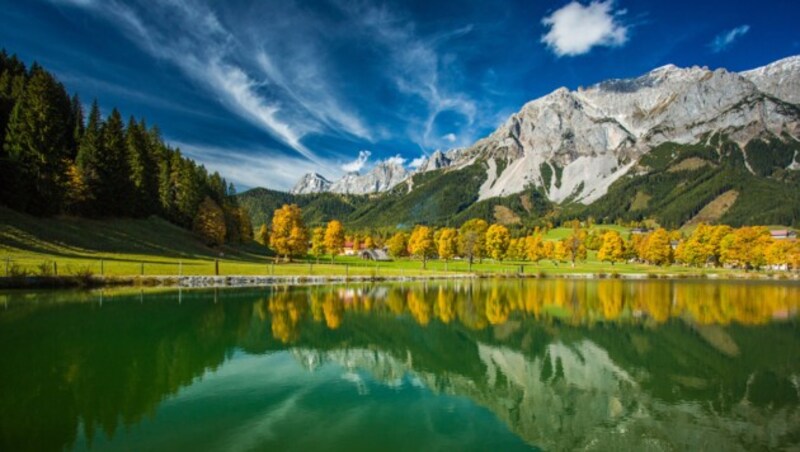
[(553, 364)]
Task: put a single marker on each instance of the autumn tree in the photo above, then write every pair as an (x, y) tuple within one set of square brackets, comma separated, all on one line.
[(209, 223), (778, 252), (334, 238), (318, 242), (263, 235), (472, 239), (369, 242), (398, 245), (574, 245), (533, 248), (421, 244), (657, 249), (497, 240), (745, 247), (447, 243), (612, 248), (289, 236), (559, 253), (702, 246)]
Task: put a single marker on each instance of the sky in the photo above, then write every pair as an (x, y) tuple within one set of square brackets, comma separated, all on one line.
[(265, 91)]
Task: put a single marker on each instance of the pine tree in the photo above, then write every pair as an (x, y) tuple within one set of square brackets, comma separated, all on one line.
[(138, 162), (76, 126), (113, 194), (89, 150), (37, 145)]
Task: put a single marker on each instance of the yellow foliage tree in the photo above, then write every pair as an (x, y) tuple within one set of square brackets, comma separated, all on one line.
[(472, 239), (575, 245), (612, 249), (534, 249), (559, 252), (548, 249), (779, 252), (289, 236), (447, 243), (497, 240), (656, 248), (318, 242), (209, 223), (369, 243), (334, 238), (702, 246), (745, 247), (398, 245), (421, 244)]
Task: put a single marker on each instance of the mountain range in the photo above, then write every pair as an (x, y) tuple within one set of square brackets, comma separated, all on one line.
[(675, 144)]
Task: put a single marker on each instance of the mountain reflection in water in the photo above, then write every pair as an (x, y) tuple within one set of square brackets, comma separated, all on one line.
[(564, 364)]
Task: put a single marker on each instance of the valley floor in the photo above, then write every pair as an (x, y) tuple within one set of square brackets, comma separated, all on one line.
[(127, 250)]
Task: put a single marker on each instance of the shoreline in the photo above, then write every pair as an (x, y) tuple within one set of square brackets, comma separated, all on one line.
[(186, 281)]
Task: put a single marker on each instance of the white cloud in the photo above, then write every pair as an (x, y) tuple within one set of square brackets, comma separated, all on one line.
[(357, 164), (253, 168), (575, 29), (450, 137), (396, 160), (723, 40), (417, 162)]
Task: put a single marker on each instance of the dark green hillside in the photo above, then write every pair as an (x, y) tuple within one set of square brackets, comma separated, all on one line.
[(436, 198), (680, 180), (672, 185), (317, 208)]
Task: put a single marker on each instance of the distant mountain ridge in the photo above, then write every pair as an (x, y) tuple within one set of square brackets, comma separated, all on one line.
[(576, 148)]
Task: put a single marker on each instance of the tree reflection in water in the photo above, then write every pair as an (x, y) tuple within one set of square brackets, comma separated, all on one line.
[(564, 363)]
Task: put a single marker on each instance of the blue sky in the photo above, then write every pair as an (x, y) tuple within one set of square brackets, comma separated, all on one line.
[(264, 91)]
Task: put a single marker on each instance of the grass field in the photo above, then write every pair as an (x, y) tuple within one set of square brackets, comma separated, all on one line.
[(151, 247)]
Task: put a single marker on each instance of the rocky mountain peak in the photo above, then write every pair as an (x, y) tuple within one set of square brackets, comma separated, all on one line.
[(311, 183)]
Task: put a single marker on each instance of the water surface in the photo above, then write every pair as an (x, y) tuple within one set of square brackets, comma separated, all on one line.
[(459, 365)]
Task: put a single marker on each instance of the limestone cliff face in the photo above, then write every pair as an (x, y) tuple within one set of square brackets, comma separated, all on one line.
[(575, 144), (594, 136)]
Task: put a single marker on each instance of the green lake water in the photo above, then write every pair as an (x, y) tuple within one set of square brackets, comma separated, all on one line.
[(457, 365)]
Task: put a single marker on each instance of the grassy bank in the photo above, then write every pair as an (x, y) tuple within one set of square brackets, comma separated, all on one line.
[(127, 250)]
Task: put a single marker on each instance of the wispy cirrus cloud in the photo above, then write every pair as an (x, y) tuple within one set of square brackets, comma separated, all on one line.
[(724, 40), (252, 167), (575, 29), (417, 69), (278, 92)]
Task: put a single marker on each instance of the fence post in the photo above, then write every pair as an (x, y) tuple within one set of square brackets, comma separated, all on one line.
[(141, 269), (8, 263), (216, 267), (55, 268), (272, 268), (102, 267), (180, 268)]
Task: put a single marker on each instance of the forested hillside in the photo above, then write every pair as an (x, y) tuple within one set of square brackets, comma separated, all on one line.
[(54, 161)]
